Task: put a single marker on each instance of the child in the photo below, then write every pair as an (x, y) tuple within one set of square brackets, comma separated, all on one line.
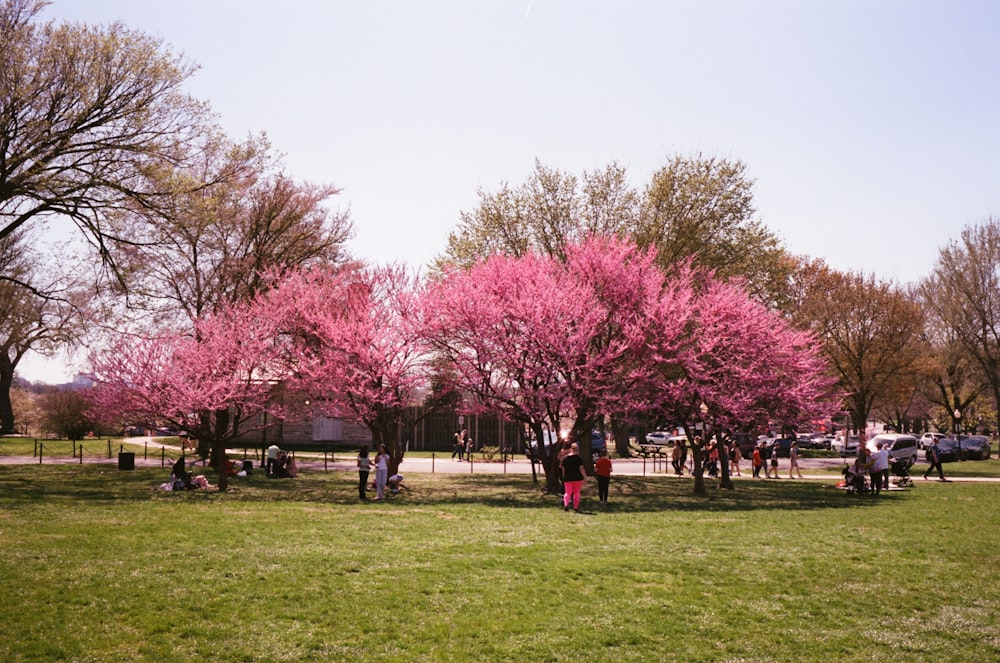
[(602, 468)]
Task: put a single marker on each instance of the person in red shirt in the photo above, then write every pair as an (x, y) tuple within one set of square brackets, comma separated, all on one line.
[(602, 468)]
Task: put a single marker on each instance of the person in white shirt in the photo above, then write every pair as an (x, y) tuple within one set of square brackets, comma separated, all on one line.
[(878, 469), (381, 471)]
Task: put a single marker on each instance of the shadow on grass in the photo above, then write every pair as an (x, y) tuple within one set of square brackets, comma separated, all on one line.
[(21, 485)]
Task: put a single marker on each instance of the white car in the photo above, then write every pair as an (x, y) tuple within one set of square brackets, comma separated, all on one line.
[(850, 449), (659, 437), (899, 445), (928, 438)]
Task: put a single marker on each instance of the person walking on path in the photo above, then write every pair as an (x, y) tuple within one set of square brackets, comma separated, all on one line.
[(934, 458), (458, 448), (602, 468), (793, 460), (676, 459), (364, 468), (734, 459), (573, 474), (757, 460), (381, 472)]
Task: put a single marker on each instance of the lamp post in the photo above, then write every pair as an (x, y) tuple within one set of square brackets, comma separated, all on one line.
[(958, 433)]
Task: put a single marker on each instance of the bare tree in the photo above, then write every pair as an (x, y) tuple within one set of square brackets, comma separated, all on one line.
[(86, 114), (36, 313), (962, 295), (869, 329)]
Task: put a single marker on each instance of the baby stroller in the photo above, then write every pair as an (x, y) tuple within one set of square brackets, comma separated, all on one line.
[(854, 481), (900, 469)]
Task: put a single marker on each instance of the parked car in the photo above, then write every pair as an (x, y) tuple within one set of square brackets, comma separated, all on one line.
[(927, 438), (899, 445), (597, 442), (947, 450), (781, 447), (661, 437), (976, 447), (849, 449), (745, 442)]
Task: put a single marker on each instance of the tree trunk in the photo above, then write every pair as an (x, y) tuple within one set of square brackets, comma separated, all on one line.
[(726, 482), (621, 432), (219, 448), (699, 471), (6, 408)]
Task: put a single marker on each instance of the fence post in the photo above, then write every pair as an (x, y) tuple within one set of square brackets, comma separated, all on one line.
[(109, 447), (81, 453), (433, 457), (40, 445), (163, 456), (145, 450)]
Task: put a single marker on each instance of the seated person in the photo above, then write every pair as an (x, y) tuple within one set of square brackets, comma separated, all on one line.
[(281, 465), (179, 476)]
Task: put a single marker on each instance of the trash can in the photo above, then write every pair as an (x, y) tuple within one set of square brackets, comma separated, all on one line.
[(126, 460)]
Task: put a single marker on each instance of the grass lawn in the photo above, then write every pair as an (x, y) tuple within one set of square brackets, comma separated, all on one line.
[(99, 567)]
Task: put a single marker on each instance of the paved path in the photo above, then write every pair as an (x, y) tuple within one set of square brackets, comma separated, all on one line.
[(443, 464)]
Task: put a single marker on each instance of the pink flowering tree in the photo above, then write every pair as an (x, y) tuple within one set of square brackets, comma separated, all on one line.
[(744, 360), (212, 386), (357, 351), (543, 341)]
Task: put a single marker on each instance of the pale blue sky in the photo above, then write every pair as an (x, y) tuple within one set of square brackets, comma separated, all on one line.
[(871, 127)]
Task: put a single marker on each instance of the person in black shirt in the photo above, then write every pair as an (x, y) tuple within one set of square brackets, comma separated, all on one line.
[(573, 474)]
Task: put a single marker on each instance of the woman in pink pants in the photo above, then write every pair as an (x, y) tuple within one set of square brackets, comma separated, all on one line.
[(573, 474)]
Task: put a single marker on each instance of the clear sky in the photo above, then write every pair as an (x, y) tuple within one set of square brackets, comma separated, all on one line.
[(871, 127)]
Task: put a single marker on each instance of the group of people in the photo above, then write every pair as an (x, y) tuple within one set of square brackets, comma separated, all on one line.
[(281, 464), (382, 478), (181, 479), (463, 446), (766, 457), (573, 471), (875, 464)]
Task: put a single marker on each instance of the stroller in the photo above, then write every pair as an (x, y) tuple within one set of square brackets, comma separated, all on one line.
[(900, 469)]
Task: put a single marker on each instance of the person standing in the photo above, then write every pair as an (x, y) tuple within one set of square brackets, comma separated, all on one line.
[(734, 458), (470, 445), (364, 468), (793, 460), (272, 460), (573, 474), (934, 458), (602, 468), (381, 472), (773, 453), (676, 459), (878, 465)]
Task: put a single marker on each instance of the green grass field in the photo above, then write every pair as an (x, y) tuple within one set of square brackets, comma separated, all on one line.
[(99, 567)]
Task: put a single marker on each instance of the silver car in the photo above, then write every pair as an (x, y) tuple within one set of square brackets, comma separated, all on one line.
[(899, 445)]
